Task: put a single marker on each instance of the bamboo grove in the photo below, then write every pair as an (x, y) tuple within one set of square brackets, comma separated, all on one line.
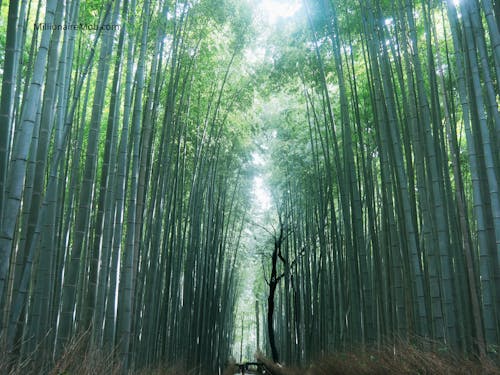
[(121, 191), (128, 129), (386, 164)]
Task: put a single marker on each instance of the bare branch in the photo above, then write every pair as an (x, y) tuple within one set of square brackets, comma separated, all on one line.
[(264, 228), (264, 273), (281, 257), (300, 254)]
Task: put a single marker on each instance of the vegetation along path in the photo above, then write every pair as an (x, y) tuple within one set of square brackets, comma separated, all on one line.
[(183, 182)]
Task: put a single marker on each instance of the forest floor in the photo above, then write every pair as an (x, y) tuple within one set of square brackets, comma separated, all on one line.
[(390, 360)]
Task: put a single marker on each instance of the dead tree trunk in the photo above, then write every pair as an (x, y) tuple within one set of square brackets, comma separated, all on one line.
[(273, 283)]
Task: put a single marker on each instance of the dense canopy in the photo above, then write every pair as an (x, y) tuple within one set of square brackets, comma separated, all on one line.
[(190, 181)]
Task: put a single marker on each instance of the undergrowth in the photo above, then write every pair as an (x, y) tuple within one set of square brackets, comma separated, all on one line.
[(395, 359), (398, 358)]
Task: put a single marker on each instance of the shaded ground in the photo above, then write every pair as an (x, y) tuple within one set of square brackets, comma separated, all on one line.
[(397, 359), (392, 361)]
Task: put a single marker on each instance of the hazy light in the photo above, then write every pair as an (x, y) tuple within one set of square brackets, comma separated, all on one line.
[(256, 55), (276, 9), (261, 194), (257, 159)]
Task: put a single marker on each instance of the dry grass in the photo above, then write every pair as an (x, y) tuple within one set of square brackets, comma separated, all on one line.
[(76, 360), (396, 359), (409, 361)]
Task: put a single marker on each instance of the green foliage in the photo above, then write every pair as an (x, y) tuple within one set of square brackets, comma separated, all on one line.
[(336, 113), (4, 10)]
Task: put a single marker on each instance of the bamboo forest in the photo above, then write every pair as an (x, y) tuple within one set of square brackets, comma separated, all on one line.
[(249, 186)]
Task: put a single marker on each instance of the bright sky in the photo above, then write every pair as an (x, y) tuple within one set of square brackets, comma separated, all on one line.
[(273, 10), (261, 195), (268, 13)]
